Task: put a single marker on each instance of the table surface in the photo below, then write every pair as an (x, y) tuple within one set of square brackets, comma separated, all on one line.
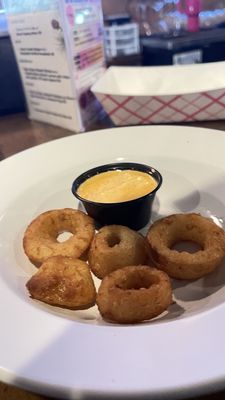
[(18, 133)]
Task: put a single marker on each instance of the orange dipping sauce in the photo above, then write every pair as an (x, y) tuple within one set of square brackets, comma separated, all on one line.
[(117, 186)]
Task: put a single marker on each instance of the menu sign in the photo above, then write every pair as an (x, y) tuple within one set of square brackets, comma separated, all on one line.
[(60, 55), (84, 22)]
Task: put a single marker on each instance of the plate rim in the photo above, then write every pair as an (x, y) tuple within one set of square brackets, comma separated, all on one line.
[(199, 388)]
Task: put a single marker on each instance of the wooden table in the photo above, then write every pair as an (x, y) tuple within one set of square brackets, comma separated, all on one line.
[(18, 133)]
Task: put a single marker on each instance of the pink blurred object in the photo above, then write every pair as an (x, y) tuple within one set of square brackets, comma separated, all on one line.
[(166, 17), (192, 9)]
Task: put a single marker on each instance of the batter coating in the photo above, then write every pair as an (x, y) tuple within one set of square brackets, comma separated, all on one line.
[(116, 246), (40, 238), (134, 294), (168, 231), (64, 282)]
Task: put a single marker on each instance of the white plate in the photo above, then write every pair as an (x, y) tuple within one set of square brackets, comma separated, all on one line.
[(75, 354)]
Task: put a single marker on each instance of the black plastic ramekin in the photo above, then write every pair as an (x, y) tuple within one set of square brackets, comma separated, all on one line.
[(133, 213)]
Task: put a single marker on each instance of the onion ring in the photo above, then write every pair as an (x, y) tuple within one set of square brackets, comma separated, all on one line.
[(64, 282), (168, 231), (40, 238), (134, 294), (116, 246)]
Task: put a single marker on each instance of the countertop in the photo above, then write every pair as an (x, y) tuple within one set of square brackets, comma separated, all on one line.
[(18, 133)]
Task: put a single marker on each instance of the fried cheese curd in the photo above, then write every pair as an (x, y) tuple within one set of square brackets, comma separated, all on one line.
[(134, 294), (116, 246), (168, 231), (64, 282), (40, 238)]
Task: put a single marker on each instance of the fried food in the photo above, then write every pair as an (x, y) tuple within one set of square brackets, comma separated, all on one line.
[(64, 282), (40, 238), (116, 246), (134, 294), (168, 231)]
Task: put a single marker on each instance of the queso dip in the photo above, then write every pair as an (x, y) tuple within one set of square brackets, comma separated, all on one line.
[(117, 186)]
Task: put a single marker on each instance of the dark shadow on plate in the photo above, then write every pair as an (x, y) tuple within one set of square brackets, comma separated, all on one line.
[(188, 203), (154, 216), (201, 288), (174, 311), (212, 207)]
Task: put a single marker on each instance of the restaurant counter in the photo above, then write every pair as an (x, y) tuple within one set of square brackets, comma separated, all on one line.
[(18, 133)]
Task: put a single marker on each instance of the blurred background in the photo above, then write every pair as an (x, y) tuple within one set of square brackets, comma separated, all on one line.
[(136, 32)]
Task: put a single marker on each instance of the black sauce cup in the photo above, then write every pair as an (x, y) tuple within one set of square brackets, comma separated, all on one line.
[(133, 213)]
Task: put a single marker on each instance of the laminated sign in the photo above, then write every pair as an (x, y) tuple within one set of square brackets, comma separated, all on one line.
[(59, 49)]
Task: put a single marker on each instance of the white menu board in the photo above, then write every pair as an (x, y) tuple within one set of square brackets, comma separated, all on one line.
[(59, 51), (84, 22)]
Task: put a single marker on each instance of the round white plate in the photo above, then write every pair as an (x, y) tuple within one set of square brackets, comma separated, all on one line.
[(75, 355)]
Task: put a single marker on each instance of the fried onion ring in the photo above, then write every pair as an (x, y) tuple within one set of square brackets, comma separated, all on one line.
[(134, 294), (64, 282), (168, 231), (40, 238), (116, 246)]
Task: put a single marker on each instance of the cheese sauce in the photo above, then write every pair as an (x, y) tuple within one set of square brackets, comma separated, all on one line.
[(117, 186)]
